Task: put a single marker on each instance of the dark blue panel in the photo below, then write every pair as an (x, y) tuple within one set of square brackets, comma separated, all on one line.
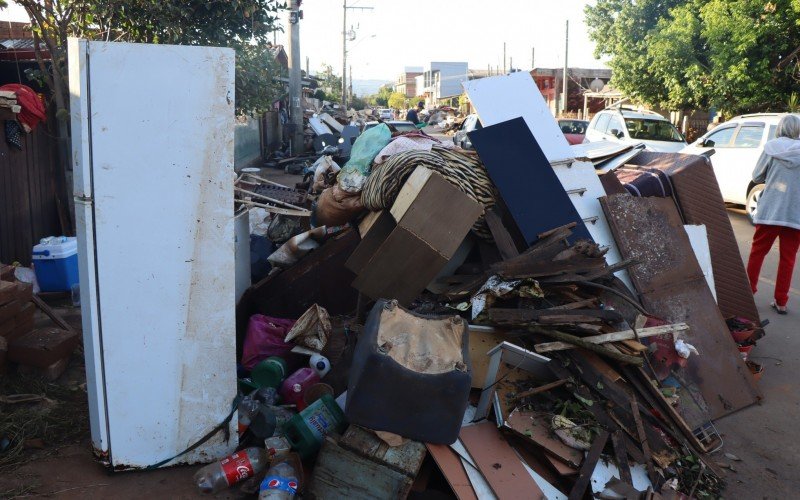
[(527, 183)]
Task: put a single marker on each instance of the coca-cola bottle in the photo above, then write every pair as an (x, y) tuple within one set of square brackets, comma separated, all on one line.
[(280, 483), (230, 470)]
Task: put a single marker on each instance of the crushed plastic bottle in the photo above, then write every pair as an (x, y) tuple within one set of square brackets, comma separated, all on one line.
[(269, 421), (248, 409), (237, 467), (280, 483)]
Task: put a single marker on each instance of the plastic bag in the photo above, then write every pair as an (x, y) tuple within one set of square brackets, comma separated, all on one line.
[(354, 174), (265, 338)]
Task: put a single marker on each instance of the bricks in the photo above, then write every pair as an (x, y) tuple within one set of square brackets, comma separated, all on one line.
[(8, 292), (42, 347)]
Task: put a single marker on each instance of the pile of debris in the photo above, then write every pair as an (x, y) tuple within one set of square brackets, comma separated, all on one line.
[(502, 325)]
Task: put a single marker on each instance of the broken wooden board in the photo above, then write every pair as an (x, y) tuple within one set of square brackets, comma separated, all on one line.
[(614, 337), (672, 287), (498, 462), (340, 473), (537, 429), (406, 458), (453, 470), (481, 341)]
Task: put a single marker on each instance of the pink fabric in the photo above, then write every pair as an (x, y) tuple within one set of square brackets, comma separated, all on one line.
[(265, 338), (409, 142)]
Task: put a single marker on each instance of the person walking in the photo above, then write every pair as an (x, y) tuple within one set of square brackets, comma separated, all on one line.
[(412, 114), (778, 212)]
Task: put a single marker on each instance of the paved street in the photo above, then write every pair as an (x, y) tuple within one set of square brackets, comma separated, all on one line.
[(765, 437)]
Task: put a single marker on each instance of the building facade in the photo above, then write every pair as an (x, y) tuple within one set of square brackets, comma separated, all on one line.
[(407, 81)]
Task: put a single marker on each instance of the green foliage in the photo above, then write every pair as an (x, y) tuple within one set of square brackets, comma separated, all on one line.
[(736, 55), (358, 103), (396, 100), (330, 83), (382, 97), (245, 25)]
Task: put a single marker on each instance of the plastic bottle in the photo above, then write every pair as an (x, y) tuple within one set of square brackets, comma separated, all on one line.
[(307, 430), (218, 476), (280, 483), (270, 421), (267, 395), (294, 387), (270, 372), (248, 409), (320, 364)]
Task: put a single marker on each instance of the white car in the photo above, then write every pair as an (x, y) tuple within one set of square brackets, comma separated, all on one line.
[(630, 126), (386, 114), (737, 145)]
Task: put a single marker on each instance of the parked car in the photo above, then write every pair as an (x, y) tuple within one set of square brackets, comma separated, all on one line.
[(574, 130), (386, 114), (402, 125), (471, 122), (737, 145), (635, 127)]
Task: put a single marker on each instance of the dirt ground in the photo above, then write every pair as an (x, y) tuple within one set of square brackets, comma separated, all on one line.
[(764, 438)]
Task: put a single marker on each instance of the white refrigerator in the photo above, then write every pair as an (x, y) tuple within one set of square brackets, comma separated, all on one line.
[(152, 150)]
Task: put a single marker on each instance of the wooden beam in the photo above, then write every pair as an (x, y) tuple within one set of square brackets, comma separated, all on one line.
[(540, 389), (621, 457), (503, 240), (613, 337), (579, 342), (54, 316), (589, 463), (648, 456)]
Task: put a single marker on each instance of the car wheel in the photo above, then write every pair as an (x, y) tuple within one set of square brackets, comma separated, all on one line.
[(751, 206)]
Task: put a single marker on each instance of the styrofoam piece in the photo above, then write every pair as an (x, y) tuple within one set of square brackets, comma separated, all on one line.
[(514, 355), (698, 238), (331, 122), (583, 185), (501, 98), (605, 470)]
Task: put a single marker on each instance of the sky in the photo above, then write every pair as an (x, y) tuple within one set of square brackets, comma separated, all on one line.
[(415, 32)]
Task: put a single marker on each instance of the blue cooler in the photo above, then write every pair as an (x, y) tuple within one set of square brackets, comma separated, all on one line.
[(55, 260)]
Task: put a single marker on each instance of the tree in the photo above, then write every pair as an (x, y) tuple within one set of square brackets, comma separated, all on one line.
[(736, 55), (396, 100), (330, 83), (382, 97)]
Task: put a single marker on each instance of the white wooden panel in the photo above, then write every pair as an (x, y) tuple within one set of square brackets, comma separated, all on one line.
[(698, 238), (501, 98), (580, 180), (161, 131)]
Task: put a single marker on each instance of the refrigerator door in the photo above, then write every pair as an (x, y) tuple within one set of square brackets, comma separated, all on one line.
[(154, 178)]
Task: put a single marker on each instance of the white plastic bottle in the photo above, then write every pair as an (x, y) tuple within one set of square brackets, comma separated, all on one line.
[(237, 467), (319, 364)]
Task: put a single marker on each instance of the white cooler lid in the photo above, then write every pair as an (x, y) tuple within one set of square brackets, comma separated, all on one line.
[(55, 247)]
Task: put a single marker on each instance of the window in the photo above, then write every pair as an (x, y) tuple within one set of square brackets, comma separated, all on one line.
[(749, 136), (720, 138), (652, 130), (773, 129), (602, 122), (614, 124)]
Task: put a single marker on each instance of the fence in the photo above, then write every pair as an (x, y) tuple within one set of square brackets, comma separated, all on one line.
[(28, 187)]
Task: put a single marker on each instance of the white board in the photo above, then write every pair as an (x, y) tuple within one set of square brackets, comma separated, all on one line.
[(154, 172), (698, 238), (501, 98)]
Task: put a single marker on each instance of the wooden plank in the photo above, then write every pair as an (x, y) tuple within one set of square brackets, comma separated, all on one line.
[(409, 192), (614, 337), (535, 429), (406, 458), (621, 457), (524, 316), (540, 389), (585, 475), (367, 222), (339, 473), (54, 316), (648, 456), (498, 462), (502, 238), (479, 344), (450, 464)]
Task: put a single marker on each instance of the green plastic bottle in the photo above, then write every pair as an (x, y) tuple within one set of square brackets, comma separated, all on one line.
[(306, 431), (269, 373)]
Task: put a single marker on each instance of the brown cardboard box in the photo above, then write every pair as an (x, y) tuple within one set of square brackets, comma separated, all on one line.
[(403, 249)]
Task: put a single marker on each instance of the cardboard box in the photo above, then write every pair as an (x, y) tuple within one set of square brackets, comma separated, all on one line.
[(403, 249)]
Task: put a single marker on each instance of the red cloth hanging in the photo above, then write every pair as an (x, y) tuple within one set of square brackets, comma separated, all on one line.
[(32, 107)]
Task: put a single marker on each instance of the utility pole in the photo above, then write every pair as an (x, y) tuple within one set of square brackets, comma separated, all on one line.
[(504, 58), (351, 81), (307, 72), (510, 63), (295, 82), (533, 53), (344, 49), (566, 66)]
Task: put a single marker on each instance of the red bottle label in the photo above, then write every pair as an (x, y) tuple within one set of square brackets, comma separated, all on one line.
[(237, 467)]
